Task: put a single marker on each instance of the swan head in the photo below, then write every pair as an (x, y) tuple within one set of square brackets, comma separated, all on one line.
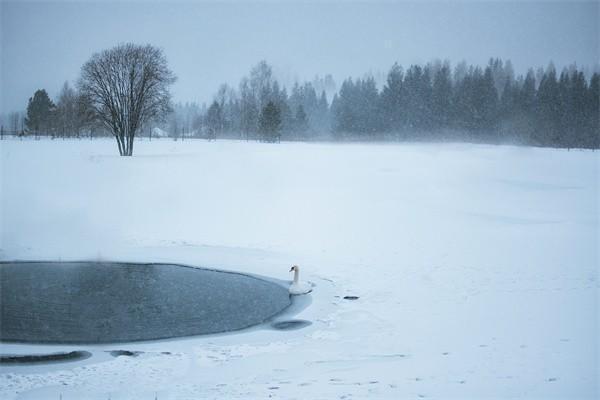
[(294, 268)]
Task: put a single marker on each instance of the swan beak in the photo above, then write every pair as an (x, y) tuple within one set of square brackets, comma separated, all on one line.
[(291, 269)]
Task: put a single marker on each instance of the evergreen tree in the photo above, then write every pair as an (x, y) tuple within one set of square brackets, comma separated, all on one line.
[(342, 106), (391, 99), (441, 97), (40, 113), (463, 110), (527, 94), (564, 107), (336, 112), (270, 122), (357, 108), (368, 108), (417, 96), (488, 101), (509, 119), (548, 110), (577, 107), (592, 107), (508, 100), (280, 98), (301, 121), (321, 122)]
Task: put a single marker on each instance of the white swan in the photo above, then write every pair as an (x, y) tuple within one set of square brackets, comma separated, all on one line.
[(297, 287)]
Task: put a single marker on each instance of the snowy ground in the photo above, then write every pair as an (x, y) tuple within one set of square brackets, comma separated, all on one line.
[(476, 266)]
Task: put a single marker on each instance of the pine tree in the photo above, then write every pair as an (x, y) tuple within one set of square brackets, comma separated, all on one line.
[(547, 110), (488, 101), (527, 95), (462, 105), (577, 98), (342, 107), (40, 110), (322, 123), (593, 111), (270, 122), (391, 99), (300, 121), (564, 107), (441, 97), (368, 108), (417, 98)]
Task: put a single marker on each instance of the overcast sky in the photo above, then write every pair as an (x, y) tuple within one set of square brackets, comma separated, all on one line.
[(45, 44)]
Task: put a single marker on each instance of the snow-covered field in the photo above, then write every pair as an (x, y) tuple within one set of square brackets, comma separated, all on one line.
[(476, 266)]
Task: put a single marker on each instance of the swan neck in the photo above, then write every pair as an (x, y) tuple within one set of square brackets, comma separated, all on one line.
[(296, 276)]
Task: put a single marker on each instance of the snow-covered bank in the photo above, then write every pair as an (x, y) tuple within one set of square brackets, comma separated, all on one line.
[(476, 266)]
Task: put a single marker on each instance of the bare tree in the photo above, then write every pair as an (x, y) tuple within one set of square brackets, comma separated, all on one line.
[(125, 87), (14, 118), (66, 111)]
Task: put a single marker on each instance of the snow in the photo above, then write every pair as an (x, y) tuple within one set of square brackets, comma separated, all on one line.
[(476, 266), (157, 132)]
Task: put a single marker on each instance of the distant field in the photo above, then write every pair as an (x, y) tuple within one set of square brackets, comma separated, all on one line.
[(476, 266)]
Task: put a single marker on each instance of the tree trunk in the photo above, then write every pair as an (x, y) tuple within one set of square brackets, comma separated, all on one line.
[(120, 144)]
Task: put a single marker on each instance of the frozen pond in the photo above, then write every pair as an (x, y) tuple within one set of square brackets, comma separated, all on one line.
[(92, 302)]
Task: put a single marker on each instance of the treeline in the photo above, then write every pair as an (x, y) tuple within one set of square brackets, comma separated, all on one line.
[(423, 102), (68, 116), (302, 114), (473, 104), (430, 102)]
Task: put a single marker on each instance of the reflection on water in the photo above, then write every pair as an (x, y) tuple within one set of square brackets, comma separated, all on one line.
[(88, 302)]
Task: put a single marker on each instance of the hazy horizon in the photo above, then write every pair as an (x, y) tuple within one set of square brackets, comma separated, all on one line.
[(206, 44)]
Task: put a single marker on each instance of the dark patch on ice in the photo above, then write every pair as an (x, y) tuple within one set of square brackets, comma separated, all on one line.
[(44, 358), (445, 354), (104, 302), (399, 355), (552, 379), (117, 353), (351, 297), (291, 324)]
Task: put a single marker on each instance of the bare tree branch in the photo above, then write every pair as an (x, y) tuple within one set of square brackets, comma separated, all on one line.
[(127, 86)]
